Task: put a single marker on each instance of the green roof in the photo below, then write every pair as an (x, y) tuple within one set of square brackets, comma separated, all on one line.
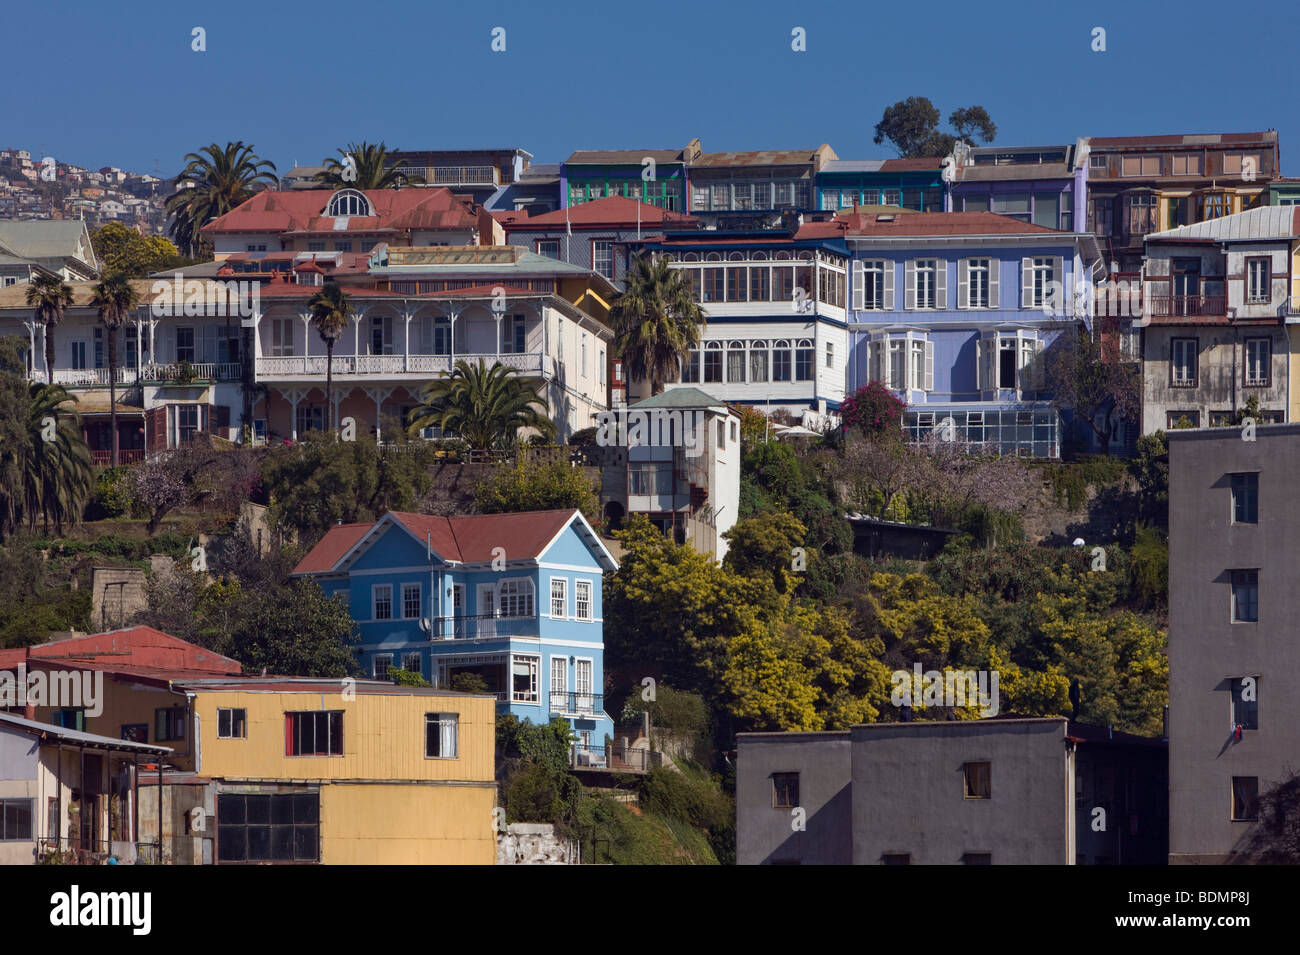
[(685, 397)]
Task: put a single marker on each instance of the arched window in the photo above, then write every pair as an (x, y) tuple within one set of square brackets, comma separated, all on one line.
[(759, 256), (348, 202), (804, 360), (712, 362), (782, 361), (736, 257), (758, 361), (691, 257), (735, 362), (783, 255), (713, 257)]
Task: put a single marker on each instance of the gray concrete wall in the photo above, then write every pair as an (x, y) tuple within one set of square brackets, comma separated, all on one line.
[(1207, 652), (765, 835), (909, 797), (117, 595)]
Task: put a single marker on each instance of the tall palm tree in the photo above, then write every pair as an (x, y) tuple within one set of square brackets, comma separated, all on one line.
[(215, 180), (329, 309), (373, 169), (657, 321), (485, 406), (113, 299), (50, 295)]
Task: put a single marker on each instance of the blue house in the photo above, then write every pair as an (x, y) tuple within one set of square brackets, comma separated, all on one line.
[(513, 598), (955, 311)]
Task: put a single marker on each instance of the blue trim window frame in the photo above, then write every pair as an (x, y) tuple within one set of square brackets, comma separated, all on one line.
[(412, 600), (560, 597), (583, 606)]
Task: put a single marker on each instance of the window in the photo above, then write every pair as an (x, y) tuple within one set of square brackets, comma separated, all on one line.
[(781, 361), (712, 362), (736, 362), (925, 283), (602, 257), (1042, 277), (1245, 798), (758, 361), (714, 287), (1102, 214), (896, 858), (1258, 355), (232, 723), (515, 598), (691, 368), (917, 364), (343, 245), (977, 277), (78, 354), (185, 344), (1240, 164), (1007, 363), (348, 202), (440, 730), (71, 718), (1182, 419), (382, 599), (976, 777), (411, 601), (411, 663), (785, 790), (977, 858), (315, 246), (310, 418), (549, 248), (380, 664), (737, 285), (1245, 498), (1258, 282), (1139, 166), (1245, 703), (559, 597), (649, 479), (582, 599), (268, 827), (281, 336), (722, 436), (1245, 596), (830, 354), (1097, 161), (1182, 362), (16, 820), (803, 361), (136, 732), (1142, 211), (559, 684), (1215, 205), (169, 724), (760, 284), (1187, 164), (1014, 206), (523, 687), (873, 285), (314, 733)]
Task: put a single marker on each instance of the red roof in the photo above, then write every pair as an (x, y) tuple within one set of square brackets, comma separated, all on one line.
[(1208, 139), (302, 211), (610, 211), (140, 651), (929, 223), (467, 539)]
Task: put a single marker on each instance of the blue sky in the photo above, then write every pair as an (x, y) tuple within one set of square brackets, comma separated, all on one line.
[(118, 84)]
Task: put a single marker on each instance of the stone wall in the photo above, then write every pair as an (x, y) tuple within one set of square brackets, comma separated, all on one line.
[(533, 843)]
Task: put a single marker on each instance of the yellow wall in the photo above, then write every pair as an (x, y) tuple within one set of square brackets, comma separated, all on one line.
[(383, 736), (407, 825)]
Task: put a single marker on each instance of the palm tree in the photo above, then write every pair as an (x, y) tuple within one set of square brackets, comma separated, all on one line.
[(57, 475), (373, 169), (113, 299), (329, 309), (50, 295), (656, 321), (215, 180), (485, 406)]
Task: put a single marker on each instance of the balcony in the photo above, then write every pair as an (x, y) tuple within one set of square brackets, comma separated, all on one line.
[(149, 374), (613, 759), (488, 626), (103, 459), (456, 175), (577, 704), (312, 367), (1164, 305)]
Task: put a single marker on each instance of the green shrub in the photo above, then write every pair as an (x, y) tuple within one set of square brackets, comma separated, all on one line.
[(112, 493), (1150, 558), (533, 794)]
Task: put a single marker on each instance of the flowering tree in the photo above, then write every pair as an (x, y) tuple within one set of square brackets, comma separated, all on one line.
[(875, 411), (159, 488)]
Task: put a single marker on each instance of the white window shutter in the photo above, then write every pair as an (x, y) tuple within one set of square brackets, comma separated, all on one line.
[(859, 285), (929, 366), (1026, 282), (940, 283), (888, 266), (909, 294), (963, 283), (995, 270)]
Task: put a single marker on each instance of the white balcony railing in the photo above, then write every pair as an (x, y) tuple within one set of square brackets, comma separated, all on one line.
[(383, 366), (152, 373)]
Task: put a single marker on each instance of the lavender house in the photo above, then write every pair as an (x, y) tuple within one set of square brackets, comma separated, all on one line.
[(954, 311), (1045, 185)]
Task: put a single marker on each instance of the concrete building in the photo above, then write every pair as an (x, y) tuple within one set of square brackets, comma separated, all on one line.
[(1007, 790), (1220, 319), (1234, 709)]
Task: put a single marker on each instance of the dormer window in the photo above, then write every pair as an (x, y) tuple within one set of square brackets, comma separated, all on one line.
[(348, 202)]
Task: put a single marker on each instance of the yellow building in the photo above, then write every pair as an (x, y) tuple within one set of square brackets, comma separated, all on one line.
[(256, 769), (353, 772)]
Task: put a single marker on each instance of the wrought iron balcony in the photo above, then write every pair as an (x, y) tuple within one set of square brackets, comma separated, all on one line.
[(577, 704)]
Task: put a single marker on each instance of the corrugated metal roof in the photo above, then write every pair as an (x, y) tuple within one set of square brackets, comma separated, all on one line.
[(77, 736), (1266, 222), (684, 397)]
